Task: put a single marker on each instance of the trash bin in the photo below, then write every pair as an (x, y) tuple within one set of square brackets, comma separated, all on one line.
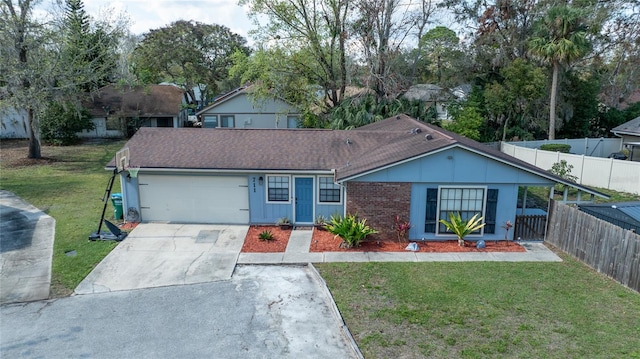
[(116, 200)]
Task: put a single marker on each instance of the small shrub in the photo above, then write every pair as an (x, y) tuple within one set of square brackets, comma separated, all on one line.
[(563, 169), (556, 147), (402, 228), (461, 228), (349, 229), (283, 221), (265, 235)]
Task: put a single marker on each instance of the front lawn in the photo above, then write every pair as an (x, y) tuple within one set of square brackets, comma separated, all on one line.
[(485, 310), (68, 184)]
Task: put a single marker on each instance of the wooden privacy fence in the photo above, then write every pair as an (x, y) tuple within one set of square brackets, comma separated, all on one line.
[(530, 227), (607, 248)]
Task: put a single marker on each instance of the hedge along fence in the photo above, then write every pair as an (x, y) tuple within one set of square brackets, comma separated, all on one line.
[(605, 247), (556, 147)]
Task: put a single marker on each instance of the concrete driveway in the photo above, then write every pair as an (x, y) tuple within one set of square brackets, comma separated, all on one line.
[(158, 255), (26, 249), (262, 312)]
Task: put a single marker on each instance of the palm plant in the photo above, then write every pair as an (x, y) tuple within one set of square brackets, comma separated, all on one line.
[(561, 38), (462, 228), (350, 229)]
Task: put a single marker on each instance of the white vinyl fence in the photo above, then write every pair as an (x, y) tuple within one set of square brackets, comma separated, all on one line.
[(617, 175), (594, 147)]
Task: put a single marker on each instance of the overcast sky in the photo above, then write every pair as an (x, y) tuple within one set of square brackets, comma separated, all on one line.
[(152, 14)]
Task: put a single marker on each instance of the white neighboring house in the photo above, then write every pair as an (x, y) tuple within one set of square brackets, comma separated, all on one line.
[(432, 95), (14, 123), (237, 109), (630, 134)]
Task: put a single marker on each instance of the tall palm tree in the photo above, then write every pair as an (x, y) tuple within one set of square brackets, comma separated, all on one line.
[(560, 38)]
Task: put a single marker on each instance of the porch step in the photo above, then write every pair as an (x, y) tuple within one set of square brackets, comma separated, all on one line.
[(299, 241)]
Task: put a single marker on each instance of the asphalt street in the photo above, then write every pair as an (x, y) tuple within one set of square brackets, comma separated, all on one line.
[(262, 312)]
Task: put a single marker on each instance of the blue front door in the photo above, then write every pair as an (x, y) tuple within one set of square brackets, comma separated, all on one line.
[(304, 200)]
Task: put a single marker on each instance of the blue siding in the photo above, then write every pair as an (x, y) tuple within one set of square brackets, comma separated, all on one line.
[(262, 212), (464, 168), (455, 166), (328, 210), (507, 203)]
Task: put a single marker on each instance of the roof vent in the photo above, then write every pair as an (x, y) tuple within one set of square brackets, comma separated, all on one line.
[(348, 141), (398, 117), (417, 130), (428, 137)]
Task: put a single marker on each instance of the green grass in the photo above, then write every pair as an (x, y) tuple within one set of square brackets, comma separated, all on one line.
[(70, 190), (485, 310), (540, 195)]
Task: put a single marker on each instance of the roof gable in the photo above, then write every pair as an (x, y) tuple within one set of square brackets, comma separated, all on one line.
[(456, 164), (244, 93), (628, 128)]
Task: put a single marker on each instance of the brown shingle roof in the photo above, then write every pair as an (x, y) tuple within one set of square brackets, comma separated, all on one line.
[(349, 152), (136, 101)]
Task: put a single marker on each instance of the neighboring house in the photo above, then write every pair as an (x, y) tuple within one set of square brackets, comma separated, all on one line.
[(397, 166), (120, 110), (432, 95), (14, 124), (238, 109), (630, 133), (622, 214)]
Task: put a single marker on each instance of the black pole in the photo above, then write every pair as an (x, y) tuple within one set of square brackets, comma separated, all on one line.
[(105, 199)]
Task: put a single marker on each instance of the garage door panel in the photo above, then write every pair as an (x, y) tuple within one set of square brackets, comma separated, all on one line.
[(194, 199)]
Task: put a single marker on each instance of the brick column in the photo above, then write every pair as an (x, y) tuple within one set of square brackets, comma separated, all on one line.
[(380, 203)]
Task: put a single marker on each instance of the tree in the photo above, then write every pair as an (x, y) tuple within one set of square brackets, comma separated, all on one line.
[(515, 98), (441, 47), (88, 49), (421, 18), (560, 38), (273, 74), (190, 54), (35, 66), (466, 122), (21, 38), (380, 28), (60, 123), (499, 29), (312, 35), (578, 105)]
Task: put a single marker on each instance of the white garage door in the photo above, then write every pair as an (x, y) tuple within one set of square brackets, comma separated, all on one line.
[(194, 199)]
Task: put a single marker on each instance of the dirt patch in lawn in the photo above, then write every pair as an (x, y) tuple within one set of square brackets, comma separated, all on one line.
[(252, 244), (324, 241), (14, 154)]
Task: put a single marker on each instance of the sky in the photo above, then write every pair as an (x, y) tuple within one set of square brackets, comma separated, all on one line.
[(153, 14)]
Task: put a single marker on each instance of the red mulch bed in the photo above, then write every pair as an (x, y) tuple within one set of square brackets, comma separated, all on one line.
[(128, 225), (252, 244), (324, 241)]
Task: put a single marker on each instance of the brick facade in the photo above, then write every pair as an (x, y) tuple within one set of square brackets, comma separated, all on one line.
[(380, 203)]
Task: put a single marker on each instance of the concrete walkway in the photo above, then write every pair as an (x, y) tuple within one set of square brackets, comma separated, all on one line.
[(157, 255), (26, 249), (297, 252)]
